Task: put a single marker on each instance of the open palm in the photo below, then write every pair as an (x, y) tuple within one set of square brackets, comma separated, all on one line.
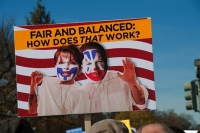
[(129, 71)]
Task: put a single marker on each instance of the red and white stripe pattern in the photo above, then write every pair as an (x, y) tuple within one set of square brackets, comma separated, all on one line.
[(140, 52)]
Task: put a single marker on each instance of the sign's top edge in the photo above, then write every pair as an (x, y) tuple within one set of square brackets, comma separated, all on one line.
[(81, 22)]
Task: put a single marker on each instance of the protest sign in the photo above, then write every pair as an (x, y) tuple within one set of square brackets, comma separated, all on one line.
[(36, 45)]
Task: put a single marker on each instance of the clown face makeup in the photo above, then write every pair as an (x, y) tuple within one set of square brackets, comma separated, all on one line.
[(93, 66), (66, 67)]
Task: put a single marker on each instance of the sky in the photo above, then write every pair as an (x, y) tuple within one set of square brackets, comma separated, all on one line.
[(175, 30)]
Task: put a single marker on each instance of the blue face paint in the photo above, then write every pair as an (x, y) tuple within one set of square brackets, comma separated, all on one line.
[(93, 65), (93, 54), (72, 72), (66, 67)]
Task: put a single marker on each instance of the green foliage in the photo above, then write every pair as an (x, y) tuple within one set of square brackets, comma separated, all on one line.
[(137, 118), (39, 16), (170, 118)]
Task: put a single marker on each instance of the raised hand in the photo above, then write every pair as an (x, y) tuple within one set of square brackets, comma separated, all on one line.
[(130, 77), (129, 72), (36, 78)]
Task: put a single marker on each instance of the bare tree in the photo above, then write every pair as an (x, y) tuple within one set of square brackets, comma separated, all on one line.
[(183, 121), (8, 97)]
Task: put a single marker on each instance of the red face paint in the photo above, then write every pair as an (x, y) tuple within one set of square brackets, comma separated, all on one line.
[(93, 66), (96, 76)]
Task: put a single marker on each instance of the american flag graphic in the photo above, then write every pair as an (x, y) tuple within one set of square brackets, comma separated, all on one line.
[(140, 52)]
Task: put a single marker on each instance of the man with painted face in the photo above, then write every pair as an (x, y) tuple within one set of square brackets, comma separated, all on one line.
[(62, 94), (109, 90)]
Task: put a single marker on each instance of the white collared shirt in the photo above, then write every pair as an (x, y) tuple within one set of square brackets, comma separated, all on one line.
[(75, 99), (112, 94)]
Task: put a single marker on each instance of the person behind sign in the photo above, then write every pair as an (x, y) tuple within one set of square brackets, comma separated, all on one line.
[(61, 94), (154, 128), (109, 126), (109, 90)]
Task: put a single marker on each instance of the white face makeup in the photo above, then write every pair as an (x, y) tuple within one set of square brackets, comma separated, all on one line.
[(93, 65), (66, 67)]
